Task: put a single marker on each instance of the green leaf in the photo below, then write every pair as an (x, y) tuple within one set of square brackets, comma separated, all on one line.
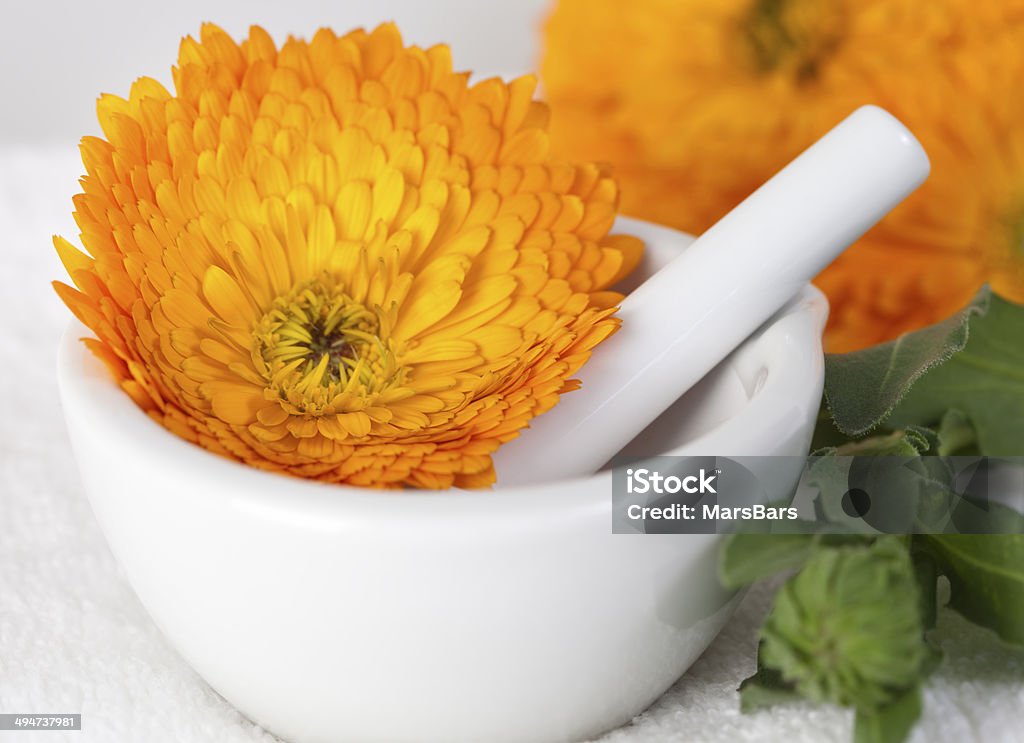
[(826, 435), (902, 491), (926, 574), (984, 380), (909, 442), (746, 558), (862, 388), (956, 436), (952, 389), (765, 688), (986, 577), (830, 474), (891, 723)]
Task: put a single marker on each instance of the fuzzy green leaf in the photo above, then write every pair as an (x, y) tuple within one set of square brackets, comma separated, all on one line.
[(891, 723), (956, 435), (764, 689), (862, 388), (746, 558), (905, 492), (986, 577), (926, 574), (984, 380)]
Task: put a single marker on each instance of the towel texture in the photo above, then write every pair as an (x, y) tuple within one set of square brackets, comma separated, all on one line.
[(73, 637)]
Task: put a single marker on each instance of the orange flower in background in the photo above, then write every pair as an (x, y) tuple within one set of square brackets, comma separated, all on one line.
[(338, 259), (697, 103)]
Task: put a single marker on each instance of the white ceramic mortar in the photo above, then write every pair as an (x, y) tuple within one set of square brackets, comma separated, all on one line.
[(330, 613)]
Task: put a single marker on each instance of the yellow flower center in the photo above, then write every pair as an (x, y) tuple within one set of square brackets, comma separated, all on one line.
[(316, 344), (792, 36)]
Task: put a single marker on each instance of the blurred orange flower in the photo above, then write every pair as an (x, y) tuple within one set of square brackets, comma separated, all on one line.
[(696, 103), (339, 260)]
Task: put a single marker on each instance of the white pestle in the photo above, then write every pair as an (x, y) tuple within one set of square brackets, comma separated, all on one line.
[(691, 314)]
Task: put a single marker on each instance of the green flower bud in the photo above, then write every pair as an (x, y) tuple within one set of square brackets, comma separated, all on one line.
[(847, 628)]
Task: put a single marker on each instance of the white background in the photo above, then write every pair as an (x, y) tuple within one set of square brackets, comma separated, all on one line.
[(57, 57)]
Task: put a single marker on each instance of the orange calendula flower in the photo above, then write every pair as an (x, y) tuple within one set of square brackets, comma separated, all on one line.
[(697, 103), (338, 259)]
